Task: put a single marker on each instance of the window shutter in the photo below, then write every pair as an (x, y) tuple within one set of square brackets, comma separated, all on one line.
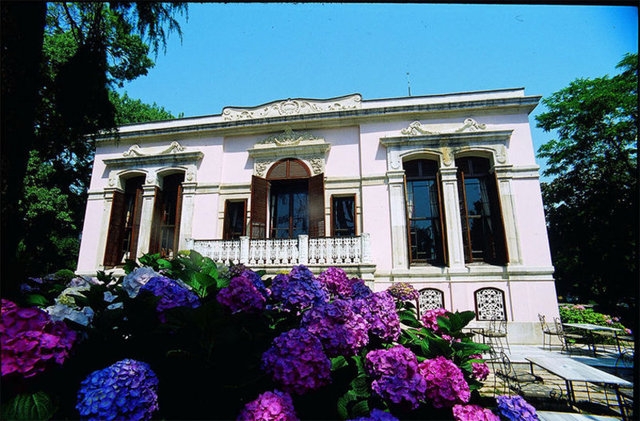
[(443, 230), (316, 206), (156, 221), (116, 230), (135, 231), (259, 188), (501, 253), (464, 218)]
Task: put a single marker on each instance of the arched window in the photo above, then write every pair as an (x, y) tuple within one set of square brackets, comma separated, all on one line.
[(124, 223), (289, 202), (482, 227), (429, 299), (490, 304), (165, 226), (424, 212)]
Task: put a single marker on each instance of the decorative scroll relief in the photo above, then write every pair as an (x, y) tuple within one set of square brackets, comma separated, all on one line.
[(416, 128), (293, 107), (288, 138), (136, 150)]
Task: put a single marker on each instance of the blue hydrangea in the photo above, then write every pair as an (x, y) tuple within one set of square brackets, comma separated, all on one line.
[(126, 390), (136, 279), (172, 294), (242, 295), (515, 408), (377, 415), (298, 290)]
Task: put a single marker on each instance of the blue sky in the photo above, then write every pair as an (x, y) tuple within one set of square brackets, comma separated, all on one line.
[(247, 54)]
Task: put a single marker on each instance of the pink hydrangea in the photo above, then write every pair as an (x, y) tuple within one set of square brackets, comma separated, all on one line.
[(446, 385), (473, 413), (480, 370), (30, 340), (269, 406), (430, 318)]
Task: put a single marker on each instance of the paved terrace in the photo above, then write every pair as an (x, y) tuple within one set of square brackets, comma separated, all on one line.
[(592, 400)]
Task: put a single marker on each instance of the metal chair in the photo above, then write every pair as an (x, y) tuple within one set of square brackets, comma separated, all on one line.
[(495, 333), (568, 339), (525, 383), (548, 331)]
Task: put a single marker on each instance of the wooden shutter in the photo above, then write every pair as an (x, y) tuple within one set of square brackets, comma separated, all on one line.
[(501, 253), (464, 218), (156, 222), (259, 189), (443, 231), (316, 206), (135, 230), (116, 230)]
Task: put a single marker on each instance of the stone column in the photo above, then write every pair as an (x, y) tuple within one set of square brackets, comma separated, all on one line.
[(508, 214), (186, 218), (400, 251), (453, 223)]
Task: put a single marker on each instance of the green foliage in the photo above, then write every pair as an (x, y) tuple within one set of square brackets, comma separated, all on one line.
[(29, 406), (591, 203)]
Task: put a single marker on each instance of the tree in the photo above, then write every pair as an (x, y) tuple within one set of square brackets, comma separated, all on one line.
[(591, 202), (58, 65)]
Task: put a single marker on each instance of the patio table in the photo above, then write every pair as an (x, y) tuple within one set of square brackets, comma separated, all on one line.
[(591, 329), (570, 416), (571, 371)]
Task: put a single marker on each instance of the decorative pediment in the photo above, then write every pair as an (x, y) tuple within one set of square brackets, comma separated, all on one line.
[(288, 138), (293, 107), (136, 150), (139, 157), (416, 128)]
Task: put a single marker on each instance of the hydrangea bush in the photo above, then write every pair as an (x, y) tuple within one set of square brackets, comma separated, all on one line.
[(186, 338)]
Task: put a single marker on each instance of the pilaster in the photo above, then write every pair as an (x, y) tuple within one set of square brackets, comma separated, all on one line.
[(399, 247), (453, 224)]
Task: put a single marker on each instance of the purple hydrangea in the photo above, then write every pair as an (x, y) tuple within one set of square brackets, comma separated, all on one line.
[(446, 385), (515, 408), (126, 390), (403, 291), (359, 289), (430, 318), (298, 290), (30, 340), (341, 331), (377, 415), (473, 413), (269, 406), (480, 370), (396, 376), (172, 294), (136, 279), (242, 294), (336, 282), (379, 310), (297, 362)]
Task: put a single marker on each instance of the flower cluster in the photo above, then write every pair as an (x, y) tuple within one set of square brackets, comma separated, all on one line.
[(298, 290), (341, 331), (446, 385), (30, 340), (136, 279), (473, 412), (515, 408), (297, 362), (377, 415), (242, 294), (126, 390), (396, 376), (336, 282), (403, 291), (172, 294), (430, 318), (269, 406), (379, 310), (480, 370)]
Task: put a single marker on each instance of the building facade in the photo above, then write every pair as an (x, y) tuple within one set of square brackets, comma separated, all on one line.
[(441, 191)]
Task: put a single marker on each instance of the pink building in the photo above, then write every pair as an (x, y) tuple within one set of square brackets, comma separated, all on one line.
[(441, 191)]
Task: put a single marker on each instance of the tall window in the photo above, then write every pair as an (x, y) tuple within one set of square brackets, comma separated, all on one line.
[(166, 219), (424, 210), (343, 212), (482, 227), (124, 223), (234, 219), (289, 202)]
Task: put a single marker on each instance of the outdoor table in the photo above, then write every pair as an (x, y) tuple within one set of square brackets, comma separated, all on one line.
[(591, 328), (571, 416), (571, 371)]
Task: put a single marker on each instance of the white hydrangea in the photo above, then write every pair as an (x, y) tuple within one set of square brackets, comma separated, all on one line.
[(138, 277)]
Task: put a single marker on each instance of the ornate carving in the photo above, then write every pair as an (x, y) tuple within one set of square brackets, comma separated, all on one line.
[(490, 304), (447, 156), (430, 299), (416, 128), (501, 154), (288, 138), (293, 107), (135, 150), (261, 166), (317, 164)]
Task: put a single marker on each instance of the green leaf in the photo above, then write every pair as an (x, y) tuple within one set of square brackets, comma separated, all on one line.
[(36, 300), (36, 406)]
